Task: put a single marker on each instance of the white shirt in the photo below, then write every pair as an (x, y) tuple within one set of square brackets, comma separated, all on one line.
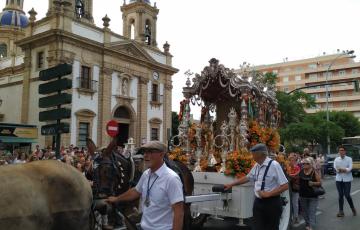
[(344, 163), (165, 191), (274, 177)]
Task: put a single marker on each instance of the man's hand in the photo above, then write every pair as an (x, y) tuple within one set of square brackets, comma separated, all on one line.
[(227, 186), (342, 170), (264, 194), (111, 199)]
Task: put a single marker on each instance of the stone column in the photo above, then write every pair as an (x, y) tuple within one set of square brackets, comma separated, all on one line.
[(167, 120), (154, 29), (104, 113), (139, 31), (26, 87), (142, 121)]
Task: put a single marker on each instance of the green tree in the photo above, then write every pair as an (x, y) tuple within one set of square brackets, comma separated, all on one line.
[(347, 121), (270, 78), (324, 128), (292, 106)]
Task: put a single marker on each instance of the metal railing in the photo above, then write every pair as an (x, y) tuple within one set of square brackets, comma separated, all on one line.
[(155, 97), (87, 84)]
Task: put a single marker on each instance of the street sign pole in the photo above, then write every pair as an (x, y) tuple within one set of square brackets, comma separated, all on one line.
[(54, 98), (58, 135)]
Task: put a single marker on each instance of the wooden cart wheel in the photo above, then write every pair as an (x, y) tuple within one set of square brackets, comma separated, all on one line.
[(285, 220)]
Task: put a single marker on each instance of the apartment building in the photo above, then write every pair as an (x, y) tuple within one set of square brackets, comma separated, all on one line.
[(339, 67)]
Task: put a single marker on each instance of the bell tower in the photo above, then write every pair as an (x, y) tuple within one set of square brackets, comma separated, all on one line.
[(12, 23), (79, 9), (139, 21), (14, 5)]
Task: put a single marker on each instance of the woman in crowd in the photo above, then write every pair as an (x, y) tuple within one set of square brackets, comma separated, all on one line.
[(294, 170), (308, 199)]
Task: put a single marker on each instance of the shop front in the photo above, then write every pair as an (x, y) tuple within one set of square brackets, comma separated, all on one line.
[(17, 136)]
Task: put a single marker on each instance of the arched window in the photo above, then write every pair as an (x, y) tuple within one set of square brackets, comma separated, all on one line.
[(18, 2), (132, 28), (3, 50), (148, 32), (122, 112)]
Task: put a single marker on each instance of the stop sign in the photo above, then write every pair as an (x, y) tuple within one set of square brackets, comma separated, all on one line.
[(112, 128)]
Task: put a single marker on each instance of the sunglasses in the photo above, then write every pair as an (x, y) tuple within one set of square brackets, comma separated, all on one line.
[(306, 163)]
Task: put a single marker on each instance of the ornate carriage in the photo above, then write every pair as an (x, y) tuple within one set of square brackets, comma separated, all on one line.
[(238, 110)]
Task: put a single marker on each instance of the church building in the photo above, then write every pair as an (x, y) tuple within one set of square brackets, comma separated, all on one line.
[(125, 77)]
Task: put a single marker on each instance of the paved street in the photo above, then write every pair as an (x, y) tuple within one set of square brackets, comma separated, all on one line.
[(326, 214)]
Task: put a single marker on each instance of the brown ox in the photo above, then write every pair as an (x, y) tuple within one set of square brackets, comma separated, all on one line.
[(47, 195)]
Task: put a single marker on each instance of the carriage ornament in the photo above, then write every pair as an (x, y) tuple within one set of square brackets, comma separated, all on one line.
[(235, 98)]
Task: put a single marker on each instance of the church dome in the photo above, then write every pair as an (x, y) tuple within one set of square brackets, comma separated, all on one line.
[(13, 18), (146, 1)]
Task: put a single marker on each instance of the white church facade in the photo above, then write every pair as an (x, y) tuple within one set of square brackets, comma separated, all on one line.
[(125, 77)]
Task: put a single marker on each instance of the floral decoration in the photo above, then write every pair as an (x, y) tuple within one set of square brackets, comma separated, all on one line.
[(268, 136), (271, 138), (239, 163), (178, 155), (255, 133)]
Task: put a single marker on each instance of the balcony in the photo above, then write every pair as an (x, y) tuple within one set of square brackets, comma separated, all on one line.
[(156, 99), (339, 98), (86, 86), (332, 88), (340, 108)]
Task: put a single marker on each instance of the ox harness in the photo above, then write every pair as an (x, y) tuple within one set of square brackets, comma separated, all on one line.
[(108, 176)]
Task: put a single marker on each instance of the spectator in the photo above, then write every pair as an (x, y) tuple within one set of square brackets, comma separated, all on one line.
[(308, 199), (47, 155), (33, 157), (306, 153), (343, 167), (295, 185), (37, 150)]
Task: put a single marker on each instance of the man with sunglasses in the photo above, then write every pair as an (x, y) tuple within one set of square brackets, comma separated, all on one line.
[(160, 189), (343, 167)]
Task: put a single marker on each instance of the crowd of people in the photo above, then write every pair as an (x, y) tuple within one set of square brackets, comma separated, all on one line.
[(78, 157), (307, 172)]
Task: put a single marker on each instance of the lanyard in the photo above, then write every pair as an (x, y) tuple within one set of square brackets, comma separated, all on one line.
[(148, 189)]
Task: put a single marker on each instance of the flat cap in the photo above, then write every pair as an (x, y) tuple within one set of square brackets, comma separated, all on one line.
[(153, 145), (259, 148)]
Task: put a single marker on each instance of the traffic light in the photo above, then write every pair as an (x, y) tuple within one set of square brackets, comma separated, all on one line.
[(356, 85), (55, 84)]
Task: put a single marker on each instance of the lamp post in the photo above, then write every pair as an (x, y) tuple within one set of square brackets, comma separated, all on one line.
[(348, 52)]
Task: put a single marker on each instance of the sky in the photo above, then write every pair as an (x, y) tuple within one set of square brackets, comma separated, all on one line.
[(233, 31)]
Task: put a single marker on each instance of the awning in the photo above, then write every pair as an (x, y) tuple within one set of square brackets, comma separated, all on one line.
[(5, 139)]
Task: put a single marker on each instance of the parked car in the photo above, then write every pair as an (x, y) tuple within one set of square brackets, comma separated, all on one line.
[(329, 163)]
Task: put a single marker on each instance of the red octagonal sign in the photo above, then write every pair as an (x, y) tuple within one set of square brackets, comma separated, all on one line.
[(112, 128)]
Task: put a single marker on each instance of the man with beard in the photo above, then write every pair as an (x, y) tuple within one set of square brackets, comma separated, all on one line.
[(160, 189)]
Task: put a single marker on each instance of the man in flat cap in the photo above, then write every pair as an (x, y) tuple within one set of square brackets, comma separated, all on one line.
[(160, 189), (270, 181)]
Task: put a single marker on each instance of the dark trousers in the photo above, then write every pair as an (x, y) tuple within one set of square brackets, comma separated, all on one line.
[(344, 190), (267, 213)]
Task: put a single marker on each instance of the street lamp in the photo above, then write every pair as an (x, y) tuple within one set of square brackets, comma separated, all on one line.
[(348, 52)]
